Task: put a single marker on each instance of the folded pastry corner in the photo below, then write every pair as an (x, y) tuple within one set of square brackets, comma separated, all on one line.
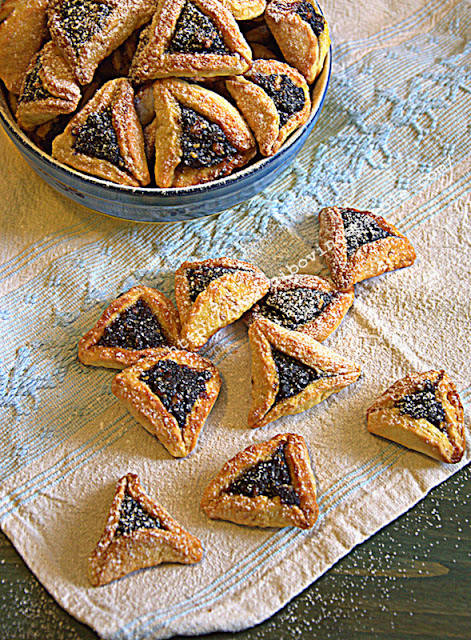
[(139, 533), (305, 303), (301, 32), (87, 31), (422, 411), (170, 394), (267, 485), (190, 38), (357, 245), (49, 89), (274, 99), (245, 9), (140, 320), (212, 294), (105, 138), (292, 372), (197, 135)]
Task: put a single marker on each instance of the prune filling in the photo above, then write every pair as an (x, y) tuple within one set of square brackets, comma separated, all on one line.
[(135, 328), (195, 32), (82, 19), (293, 375), (177, 386), (33, 89), (132, 517), (360, 229), (268, 478), (295, 307), (201, 277), (96, 137), (288, 98), (306, 11), (203, 143), (424, 404)]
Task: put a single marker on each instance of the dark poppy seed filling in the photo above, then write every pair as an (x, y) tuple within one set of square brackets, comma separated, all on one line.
[(33, 87), (306, 11), (424, 404), (203, 143), (288, 98), (177, 386), (294, 307), (201, 277), (135, 328), (132, 517), (360, 229), (294, 376), (195, 32), (82, 19), (96, 137), (268, 478)]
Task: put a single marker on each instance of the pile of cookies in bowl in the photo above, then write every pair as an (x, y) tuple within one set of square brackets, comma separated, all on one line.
[(160, 93)]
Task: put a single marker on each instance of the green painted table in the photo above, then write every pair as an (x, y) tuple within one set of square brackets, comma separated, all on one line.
[(411, 581)]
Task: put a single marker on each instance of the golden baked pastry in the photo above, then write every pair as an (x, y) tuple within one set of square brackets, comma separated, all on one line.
[(359, 244), (302, 34), (267, 485), (292, 372), (302, 302), (87, 32), (49, 89), (190, 38), (422, 411), (197, 135), (261, 52), (22, 31), (105, 138), (170, 394), (139, 533), (274, 99), (136, 323), (245, 9), (212, 294)]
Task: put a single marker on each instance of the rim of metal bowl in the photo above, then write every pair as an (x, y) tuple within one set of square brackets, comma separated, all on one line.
[(319, 92)]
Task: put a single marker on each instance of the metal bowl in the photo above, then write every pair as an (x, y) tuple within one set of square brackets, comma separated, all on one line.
[(162, 205)]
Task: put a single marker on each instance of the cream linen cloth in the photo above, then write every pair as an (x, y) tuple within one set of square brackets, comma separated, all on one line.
[(393, 137)]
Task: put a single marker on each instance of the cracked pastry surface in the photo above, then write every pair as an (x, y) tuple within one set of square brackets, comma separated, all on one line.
[(292, 372), (306, 303), (138, 534), (105, 138), (422, 411), (213, 293), (170, 393), (302, 34), (191, 38), (357, 245), (267, 485), (140, 320), (274, 99)]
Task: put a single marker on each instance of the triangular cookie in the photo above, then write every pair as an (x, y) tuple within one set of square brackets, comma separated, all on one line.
[(191, 38), (48, 90), (292, 372), (267, 485), (359, 244), (423, 412), (212, 294), (274, 99), (197, 135), (140, 320), (105, 138), (302, 302), (87, 32), (139, 533), (170, 394)]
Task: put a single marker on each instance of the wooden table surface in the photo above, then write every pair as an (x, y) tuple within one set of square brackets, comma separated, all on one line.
[(411, 581)]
